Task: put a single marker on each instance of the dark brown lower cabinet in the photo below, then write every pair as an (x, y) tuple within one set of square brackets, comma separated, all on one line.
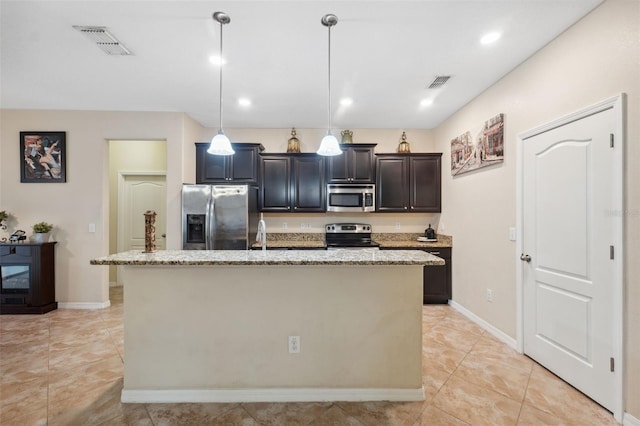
[(436, 280), (28, 279)]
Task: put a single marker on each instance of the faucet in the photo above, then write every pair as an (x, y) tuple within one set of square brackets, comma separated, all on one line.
[(261, 237)]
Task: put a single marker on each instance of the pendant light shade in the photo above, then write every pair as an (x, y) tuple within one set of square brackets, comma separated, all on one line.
[(220, 144), (329, 144)]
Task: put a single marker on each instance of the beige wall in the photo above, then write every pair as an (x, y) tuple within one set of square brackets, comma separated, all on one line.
[(130, 156), (599, 57), (83, 199)]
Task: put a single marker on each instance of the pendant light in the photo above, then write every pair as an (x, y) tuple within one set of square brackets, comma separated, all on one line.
[(220, 144), (329, 145)]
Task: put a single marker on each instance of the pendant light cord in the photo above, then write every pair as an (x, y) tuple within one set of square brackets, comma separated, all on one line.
[(220, 129), (329, 80)]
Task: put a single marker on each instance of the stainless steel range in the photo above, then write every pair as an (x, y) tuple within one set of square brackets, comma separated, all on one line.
[(349, 235)]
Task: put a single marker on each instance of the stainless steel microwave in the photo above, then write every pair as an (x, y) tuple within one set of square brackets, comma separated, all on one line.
[(351, 198)]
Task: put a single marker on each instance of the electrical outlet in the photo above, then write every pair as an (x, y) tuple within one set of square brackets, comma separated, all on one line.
[(397, 225), (304, 225), (294, 344), (284, 225), (489, 295)]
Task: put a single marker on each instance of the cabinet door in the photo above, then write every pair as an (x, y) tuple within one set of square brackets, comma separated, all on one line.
[(391, 184), (424, 183), (355, 165), (244, 165), (275, 189), (308, 183), (437, 279), (362, 165), (338, 168), (210, 168)]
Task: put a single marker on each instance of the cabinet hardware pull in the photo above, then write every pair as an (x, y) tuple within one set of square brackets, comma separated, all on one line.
[(434, 252)]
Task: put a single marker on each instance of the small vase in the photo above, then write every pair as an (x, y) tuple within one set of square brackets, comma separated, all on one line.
[(40, 237)]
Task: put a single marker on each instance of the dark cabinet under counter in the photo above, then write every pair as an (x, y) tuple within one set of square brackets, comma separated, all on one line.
[(436, 280), (27, 279)]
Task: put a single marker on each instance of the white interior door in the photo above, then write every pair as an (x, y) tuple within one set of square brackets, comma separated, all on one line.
[(141, 193), (568, 241)]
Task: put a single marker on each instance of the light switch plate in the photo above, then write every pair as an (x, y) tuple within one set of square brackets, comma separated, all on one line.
[(92, 228), (512, 234)]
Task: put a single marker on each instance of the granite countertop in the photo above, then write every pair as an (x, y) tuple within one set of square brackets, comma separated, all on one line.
[(387, 240), (271, 257)]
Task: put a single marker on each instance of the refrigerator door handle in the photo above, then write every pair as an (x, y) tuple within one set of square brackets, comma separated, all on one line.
[(212, 224), (207, 224)]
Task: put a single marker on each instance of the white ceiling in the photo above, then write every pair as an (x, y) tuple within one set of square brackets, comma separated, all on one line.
[(384, 55)]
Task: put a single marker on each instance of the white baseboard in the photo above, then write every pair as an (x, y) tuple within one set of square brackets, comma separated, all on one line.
[(629, 420), (84, 305), (498, 334), (270, 395)]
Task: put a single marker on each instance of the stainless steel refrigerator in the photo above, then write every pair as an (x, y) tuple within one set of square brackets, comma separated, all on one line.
[(219, 217)]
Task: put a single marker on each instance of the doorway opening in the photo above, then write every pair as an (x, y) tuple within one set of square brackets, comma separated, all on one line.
[(137, 175)]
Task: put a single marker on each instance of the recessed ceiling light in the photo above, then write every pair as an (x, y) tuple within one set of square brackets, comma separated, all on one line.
[(426, 102), (244, 102), (215, 60), (490, 37), (346, 101)]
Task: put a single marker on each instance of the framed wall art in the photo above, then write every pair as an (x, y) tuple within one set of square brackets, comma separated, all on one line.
[(478, 148), (43, 157)]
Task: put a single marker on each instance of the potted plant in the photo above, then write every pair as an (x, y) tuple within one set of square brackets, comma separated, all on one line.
[(3, 217), (41, 232)]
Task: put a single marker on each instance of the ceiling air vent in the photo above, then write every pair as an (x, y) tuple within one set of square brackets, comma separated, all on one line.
[(104, 40), (439, 81)]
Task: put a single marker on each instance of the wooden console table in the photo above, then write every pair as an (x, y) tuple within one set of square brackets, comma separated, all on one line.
[(28, 278)]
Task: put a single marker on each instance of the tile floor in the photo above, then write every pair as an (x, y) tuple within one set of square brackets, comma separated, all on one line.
[(65, 368)]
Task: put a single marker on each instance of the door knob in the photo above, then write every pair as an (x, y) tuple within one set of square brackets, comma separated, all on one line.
[(164, 235), (525, 257)]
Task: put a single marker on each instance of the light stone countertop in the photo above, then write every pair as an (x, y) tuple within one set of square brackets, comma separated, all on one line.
[(271, 257), (387, 240)]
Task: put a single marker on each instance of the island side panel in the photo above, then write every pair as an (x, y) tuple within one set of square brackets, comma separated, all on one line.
[(227, 327)]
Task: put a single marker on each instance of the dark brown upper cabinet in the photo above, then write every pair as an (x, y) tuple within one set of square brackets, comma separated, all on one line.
[(355, 165), (241, 167), (408, 182), (292, 183)]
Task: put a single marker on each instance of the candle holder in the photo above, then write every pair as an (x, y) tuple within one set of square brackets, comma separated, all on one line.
[(294, 144), (404, 147)]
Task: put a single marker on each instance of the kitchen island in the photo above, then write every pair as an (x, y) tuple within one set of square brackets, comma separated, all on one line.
[(215, 326)]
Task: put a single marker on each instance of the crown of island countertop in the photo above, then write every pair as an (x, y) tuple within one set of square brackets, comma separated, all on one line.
[(271, 257)]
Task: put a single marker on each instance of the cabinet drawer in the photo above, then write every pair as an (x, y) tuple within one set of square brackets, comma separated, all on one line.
[(15, 253)]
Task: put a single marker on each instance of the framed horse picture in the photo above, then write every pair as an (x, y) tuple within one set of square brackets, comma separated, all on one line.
[(43, 157)]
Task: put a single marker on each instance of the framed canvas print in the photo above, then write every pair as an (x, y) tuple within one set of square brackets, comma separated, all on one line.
[(43, 157), (478, 148)]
